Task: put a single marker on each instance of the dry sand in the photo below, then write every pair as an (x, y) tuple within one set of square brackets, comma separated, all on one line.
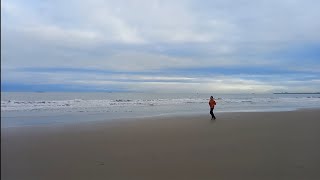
[(257, 146)]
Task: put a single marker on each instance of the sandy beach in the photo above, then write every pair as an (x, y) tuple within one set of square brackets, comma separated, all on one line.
[(255, 145)]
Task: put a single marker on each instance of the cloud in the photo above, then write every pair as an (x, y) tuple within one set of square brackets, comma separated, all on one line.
[(164, 81), (246, 45), (133, 22), (62, 37)]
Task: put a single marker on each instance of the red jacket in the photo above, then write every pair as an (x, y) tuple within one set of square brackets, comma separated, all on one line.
[(212, 103)]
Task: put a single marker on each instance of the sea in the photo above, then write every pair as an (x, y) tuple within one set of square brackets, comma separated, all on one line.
[(46, 108)]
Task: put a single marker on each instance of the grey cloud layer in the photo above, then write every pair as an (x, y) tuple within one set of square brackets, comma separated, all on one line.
[(146, 35)]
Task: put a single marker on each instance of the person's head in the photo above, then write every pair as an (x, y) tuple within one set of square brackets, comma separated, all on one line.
[(211, 97)]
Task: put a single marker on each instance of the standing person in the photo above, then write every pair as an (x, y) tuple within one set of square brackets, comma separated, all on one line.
[(212, 103)]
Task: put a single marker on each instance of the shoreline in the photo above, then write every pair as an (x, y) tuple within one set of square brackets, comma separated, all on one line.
[(255, 145), (64, 119)]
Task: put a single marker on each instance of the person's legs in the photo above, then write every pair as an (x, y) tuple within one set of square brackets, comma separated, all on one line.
[(212, 115), (211, 112)]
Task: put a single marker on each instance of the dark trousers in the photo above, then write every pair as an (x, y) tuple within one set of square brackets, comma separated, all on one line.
[(212, 115)]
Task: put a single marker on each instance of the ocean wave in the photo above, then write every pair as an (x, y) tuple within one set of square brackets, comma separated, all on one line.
[(90, 105)]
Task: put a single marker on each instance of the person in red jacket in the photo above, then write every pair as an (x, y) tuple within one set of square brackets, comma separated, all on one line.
[(212, 103)]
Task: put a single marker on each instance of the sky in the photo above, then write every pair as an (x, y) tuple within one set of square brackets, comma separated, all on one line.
[(208, 46)]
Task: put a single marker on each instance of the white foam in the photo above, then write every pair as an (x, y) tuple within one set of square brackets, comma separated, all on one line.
[(91, 105)]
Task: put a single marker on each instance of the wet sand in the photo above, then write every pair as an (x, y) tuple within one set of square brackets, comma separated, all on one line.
[(255, 145)]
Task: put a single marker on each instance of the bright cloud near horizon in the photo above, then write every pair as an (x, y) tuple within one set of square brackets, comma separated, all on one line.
[(209, 46)]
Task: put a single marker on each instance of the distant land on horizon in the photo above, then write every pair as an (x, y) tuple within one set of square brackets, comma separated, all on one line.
[(297, 93)]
